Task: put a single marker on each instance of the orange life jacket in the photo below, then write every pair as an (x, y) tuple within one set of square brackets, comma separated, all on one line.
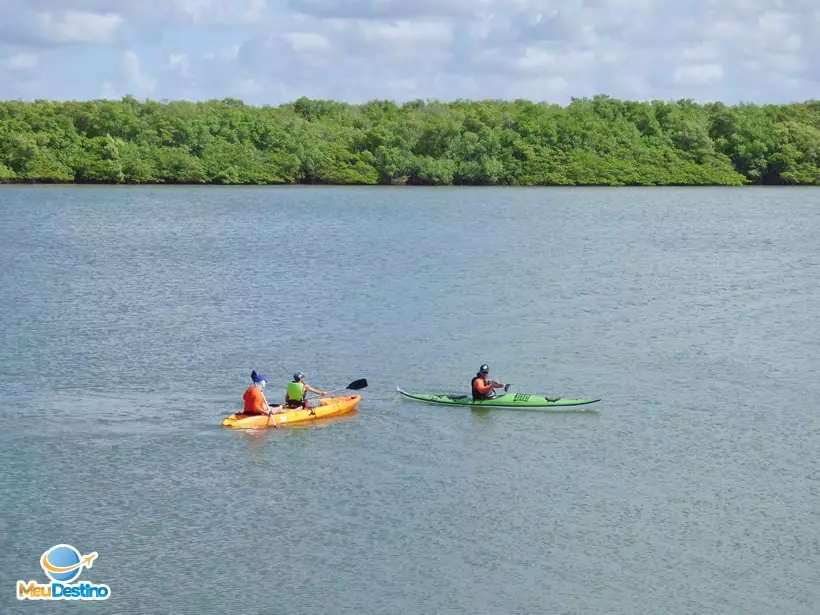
[(254, 401)]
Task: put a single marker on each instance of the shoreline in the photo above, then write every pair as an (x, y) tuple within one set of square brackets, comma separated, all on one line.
[(42, 184)]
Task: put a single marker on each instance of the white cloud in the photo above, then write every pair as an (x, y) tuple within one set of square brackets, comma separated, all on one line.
[(535, 58), (224, 12), (556, 84), (78, 26), (538, 58), (753, 50), (407, 32), (134, 74), (794, 42), (701, 51), (774, 24), (783, 62), (307, 41), (727, 30), (180, 63), (224, 54), (699, 74), (387, 9), (20, 61)]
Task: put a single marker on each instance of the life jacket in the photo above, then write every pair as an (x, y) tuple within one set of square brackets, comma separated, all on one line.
[(296, 392), (254, 400), (476, 393)]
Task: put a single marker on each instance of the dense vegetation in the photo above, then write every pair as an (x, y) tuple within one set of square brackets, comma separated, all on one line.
[(600, 141)]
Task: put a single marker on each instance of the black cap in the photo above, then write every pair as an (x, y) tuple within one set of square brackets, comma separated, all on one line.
[(484, 368)]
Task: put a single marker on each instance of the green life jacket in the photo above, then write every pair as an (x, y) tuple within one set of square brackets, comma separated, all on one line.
[(296, 391)]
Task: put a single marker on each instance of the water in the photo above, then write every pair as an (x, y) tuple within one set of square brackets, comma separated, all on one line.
[(130, 319)]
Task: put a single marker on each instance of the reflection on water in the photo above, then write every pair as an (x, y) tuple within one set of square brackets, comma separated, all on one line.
[(258, 436)]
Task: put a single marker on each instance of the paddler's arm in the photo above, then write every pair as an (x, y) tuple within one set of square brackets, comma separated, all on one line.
[(312, 390), (484, 386)]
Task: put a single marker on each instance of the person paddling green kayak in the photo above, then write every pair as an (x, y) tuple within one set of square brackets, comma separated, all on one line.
[(505, 400), (482, 386), (484, 395)]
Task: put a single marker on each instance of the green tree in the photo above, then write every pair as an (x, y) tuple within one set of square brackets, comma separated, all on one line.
[(597, 141)]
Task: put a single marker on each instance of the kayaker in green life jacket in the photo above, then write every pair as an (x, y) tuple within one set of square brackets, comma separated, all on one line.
[(482, 387), (295, 395)]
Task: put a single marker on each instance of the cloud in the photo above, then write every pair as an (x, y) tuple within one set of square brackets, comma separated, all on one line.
[(134, 75), (307, 41), (701, 51), (20, 61), (699, 73), (386, 9), (405, 32), (272, 51), (222, 12), (540, 59), (26, 25), (180, 63), (78, 26)]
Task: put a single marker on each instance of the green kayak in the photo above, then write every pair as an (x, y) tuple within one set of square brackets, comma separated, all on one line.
[(507, 400)]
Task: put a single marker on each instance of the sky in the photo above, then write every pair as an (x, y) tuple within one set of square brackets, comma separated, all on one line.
[(275, 51)]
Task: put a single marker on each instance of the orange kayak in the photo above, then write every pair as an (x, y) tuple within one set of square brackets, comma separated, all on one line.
[(324, 407)]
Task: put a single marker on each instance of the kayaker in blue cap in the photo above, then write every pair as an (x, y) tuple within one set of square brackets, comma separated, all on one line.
[(295, 395), (254, 397), (482, 387)]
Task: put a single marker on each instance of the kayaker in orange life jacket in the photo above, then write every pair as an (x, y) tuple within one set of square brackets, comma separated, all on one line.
[(254, 397), (295, 395), (482, 387)]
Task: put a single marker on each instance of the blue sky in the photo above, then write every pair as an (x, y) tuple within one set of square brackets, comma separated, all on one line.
[(274, 51)]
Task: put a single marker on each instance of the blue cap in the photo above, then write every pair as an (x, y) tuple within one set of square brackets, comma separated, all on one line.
[(259, 377)]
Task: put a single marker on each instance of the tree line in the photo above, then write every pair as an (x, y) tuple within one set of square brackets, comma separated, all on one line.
[(597, 141)]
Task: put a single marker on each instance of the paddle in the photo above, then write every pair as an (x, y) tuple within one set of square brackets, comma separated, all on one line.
[(506, 386), (356, 385), (270, 412)]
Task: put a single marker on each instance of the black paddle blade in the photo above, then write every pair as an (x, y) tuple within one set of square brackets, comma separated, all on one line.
[(358, 384)]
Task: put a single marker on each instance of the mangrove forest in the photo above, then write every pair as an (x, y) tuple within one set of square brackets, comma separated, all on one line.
[(597, 141)]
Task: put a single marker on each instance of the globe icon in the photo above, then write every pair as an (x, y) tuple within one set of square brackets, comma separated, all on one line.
[(62, 556)]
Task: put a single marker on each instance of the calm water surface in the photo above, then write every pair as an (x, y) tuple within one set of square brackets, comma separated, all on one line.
[(130, 319)]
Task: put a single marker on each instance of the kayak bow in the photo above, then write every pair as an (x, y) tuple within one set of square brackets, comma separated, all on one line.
[(507, 400)]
